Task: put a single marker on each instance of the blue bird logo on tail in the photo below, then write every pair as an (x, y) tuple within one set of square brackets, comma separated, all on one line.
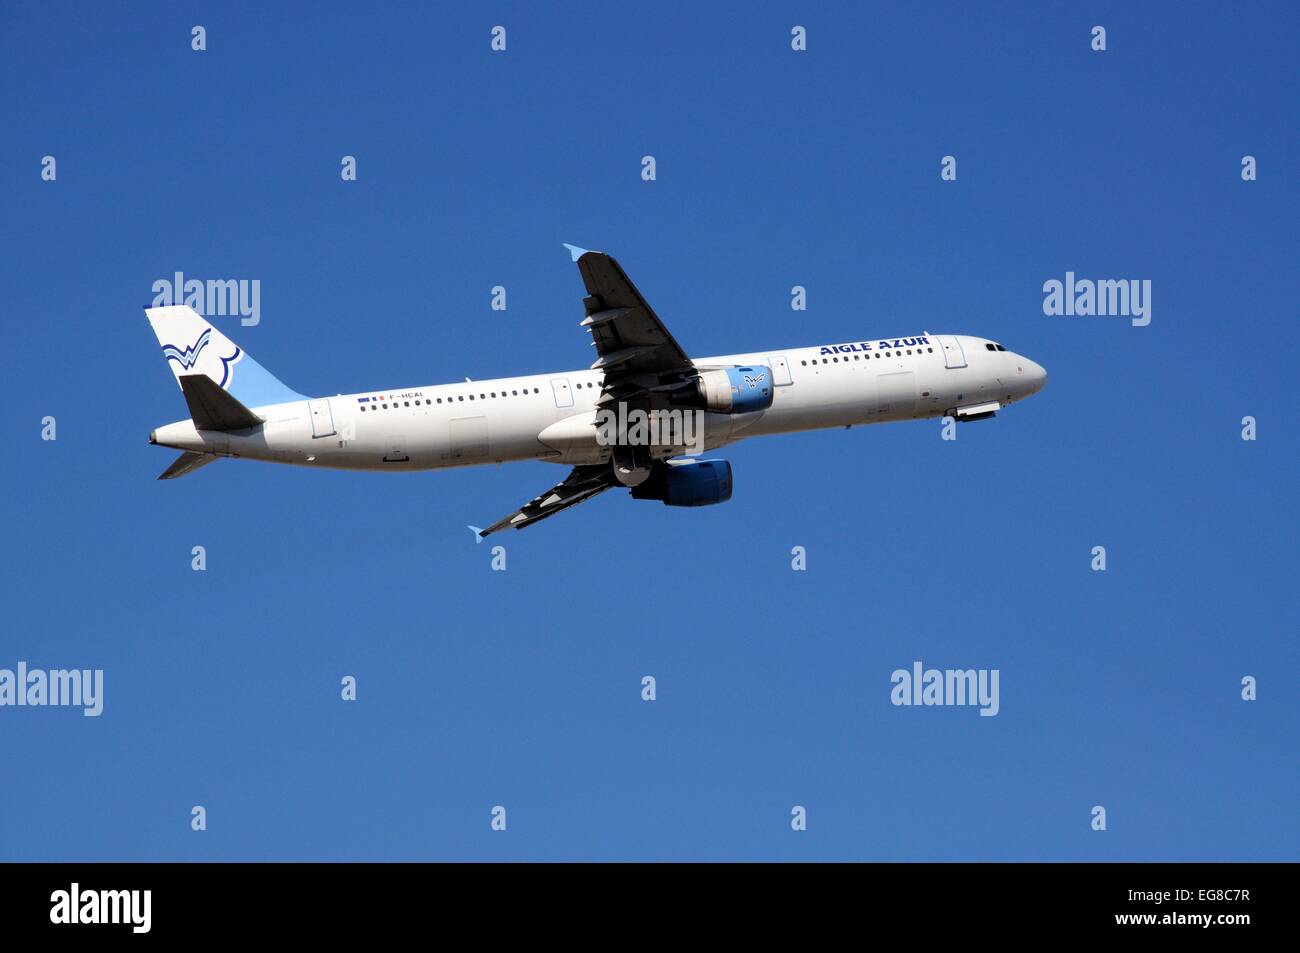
[(190, 356)]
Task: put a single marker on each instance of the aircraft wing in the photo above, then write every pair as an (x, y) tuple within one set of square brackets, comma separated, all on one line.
[(582, 483), (640, 360), (629, 338)]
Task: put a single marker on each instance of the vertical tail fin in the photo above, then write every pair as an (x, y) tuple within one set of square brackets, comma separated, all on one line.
[(193, 346)]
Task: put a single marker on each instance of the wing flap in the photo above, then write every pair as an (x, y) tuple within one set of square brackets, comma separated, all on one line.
[(604, 317), (624, 356)]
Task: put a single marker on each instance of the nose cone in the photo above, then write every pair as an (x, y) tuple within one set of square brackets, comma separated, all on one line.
[(1035, 376)]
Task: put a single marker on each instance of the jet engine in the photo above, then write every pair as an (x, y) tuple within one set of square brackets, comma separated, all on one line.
[(733, 390), (689, 483)]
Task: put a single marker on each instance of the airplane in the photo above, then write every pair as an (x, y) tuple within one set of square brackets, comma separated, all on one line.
[(640, 417)]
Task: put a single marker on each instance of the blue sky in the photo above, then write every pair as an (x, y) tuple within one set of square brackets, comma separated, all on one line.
[(522, 688)]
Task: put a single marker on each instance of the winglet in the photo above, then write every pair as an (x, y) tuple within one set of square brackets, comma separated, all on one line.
[(574, 250), (478, 533)]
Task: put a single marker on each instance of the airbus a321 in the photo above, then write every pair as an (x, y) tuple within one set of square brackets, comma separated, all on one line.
[(641, 416)]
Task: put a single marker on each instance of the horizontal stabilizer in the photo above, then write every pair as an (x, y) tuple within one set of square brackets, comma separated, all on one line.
[(212, 408), (186, 463)]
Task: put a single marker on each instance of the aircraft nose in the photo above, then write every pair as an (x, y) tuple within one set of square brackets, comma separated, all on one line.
[(1036, 376)]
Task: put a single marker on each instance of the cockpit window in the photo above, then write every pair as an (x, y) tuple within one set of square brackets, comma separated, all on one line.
[(989, 345)]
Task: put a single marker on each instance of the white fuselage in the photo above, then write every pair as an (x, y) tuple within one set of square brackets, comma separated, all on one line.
[(505, 419)]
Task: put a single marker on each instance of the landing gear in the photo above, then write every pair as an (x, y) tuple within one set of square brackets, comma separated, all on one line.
[(632, 465)]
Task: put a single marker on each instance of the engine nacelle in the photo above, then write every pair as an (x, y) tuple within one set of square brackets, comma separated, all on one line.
[(693, 483), (735, 390)]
